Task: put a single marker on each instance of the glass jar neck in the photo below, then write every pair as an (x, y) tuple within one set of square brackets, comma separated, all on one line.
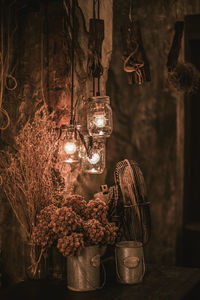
[(68, 131), (100, 99)]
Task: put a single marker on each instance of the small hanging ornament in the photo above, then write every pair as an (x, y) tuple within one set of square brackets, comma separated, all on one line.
[(99, 116), (69, 145), (93, 160)]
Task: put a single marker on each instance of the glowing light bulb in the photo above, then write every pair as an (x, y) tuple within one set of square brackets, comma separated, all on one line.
[(93, 170), (94, 159), (100, 121), (70, 148), (69, 160)]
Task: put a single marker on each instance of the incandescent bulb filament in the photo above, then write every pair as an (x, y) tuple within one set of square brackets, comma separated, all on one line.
[(100, 121), (70, 147), (94, 159)]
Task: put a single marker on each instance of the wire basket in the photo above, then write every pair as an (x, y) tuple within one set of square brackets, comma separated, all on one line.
[(132, 206)]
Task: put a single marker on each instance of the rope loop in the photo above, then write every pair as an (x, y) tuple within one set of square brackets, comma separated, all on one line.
[(7, 117), (131, 66), (12, 79)]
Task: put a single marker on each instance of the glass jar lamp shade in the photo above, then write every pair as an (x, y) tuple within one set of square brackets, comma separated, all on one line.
[(94, 161), (69, 145), (99, 116)]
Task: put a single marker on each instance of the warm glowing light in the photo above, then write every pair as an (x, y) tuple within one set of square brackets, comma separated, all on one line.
[(70, 148), (69, 160), (93, 170), (100, 121), (94, 159)]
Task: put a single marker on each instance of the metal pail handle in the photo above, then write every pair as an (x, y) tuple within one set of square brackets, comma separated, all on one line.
[(95, 261)]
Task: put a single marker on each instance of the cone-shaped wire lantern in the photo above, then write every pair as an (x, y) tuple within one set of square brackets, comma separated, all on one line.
[(69, 145), (99, 116), (93, 161)]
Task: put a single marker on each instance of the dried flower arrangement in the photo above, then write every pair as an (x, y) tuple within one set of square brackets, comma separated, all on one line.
[(184, 78), (30, 178), (35, 190), (73, 225)]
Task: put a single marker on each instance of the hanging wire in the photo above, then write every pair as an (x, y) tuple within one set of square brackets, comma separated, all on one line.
[(2, 56), (42, 55), (98, 17), (98, 9), (93, 86), (95, 68), (94, 13), (98, 14), (72, 59), (131, 11), (94, 17)]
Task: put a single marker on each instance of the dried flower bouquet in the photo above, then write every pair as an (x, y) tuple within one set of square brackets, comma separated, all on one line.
[(73, 225), (30, 178)]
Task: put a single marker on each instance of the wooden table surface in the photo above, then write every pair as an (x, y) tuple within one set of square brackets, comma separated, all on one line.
[(160, 282)]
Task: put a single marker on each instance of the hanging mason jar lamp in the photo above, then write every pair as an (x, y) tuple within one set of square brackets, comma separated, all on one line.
[(69, 140), (69, 145), (99, 112), (93, 160), (99, 116)]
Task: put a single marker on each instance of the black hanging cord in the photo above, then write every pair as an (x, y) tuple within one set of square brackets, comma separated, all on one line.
[(94, 17), (131, 15), (98, 14), (93, 86), (94, 14), (98, 9), (72, 60)]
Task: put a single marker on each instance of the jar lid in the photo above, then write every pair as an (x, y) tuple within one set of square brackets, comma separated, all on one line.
[(99, 98), (70, 126)]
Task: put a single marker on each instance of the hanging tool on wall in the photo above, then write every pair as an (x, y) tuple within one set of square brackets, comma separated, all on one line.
[(176, 46), (96, 37), (135, 62)]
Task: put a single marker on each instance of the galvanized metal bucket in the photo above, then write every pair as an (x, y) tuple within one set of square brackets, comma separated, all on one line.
[(83, 271), (130, 265)]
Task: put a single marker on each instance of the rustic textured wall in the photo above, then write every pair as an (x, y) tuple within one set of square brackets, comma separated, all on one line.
[(20, 103), (146, 117)]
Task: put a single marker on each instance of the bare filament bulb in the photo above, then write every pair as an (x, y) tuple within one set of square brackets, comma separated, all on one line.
[(70, 148), (100, 121), (94, 159)]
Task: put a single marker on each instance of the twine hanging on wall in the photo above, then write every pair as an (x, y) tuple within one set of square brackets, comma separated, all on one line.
[(8, 81), (135, 62), (3, 71)]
